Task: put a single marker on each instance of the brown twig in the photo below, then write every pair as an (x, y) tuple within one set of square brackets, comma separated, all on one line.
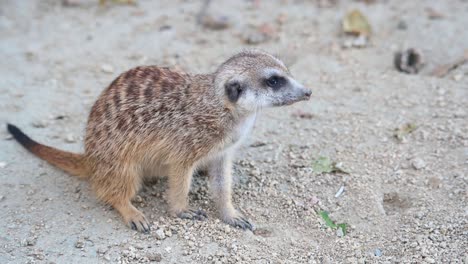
[(443, 70)]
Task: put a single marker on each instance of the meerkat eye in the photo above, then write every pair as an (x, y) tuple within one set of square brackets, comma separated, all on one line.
[(275, 82)]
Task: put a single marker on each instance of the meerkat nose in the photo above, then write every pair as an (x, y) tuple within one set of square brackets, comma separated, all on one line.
[(307, 93)]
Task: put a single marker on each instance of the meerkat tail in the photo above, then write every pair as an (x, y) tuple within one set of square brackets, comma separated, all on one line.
[(72, 163)]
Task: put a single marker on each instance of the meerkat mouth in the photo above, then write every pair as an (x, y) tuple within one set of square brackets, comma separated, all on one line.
[(292, 101), (289, 102)]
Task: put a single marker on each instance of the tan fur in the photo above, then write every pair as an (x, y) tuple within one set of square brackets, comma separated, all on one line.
[(73, 163), (155, 121)]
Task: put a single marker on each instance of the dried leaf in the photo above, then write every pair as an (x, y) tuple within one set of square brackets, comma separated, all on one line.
[(127, 2), (434, 14), (262, 232), (404, 130), (325, 165), (215, 22), (356, 23), (338, 167)]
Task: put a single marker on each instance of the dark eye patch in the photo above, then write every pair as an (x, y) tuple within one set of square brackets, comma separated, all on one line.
[(275, 82), (233, 91)]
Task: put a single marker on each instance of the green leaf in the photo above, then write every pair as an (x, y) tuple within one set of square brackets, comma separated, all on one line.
[(331, 224), (322, 165), (327, 219), (406, 129), (325, 165), (343, 227)]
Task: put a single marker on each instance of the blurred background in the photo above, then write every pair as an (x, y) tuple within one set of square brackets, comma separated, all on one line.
[(372, 170)]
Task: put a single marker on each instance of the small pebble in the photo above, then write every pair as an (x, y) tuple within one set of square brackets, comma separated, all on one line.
[(160, 234), (70, 3), (339, 192), (139, 246), (70, 138), (458, 77), (402, 25), (418, 163), (215, 22), (39, 124), (30, 241), (339, 232), (254, 38), (357, 42), (154, 257), (377, 252), (107, 68), (360, 42), (79, 244), (101, 250), (2, 165), (37, 254), (257, 144), (260, 34), (138, 199)]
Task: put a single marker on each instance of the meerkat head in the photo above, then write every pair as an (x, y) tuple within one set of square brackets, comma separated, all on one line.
[(252, 80)]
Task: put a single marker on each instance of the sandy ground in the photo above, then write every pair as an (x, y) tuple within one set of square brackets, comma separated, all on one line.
[(404, 202)]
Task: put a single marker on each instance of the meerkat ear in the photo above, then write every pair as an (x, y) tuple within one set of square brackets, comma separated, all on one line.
[(233, 90)]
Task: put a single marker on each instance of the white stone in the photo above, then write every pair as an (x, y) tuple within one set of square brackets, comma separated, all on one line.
[(160, 234), (70, 138), (458, 77), (418, 163), (107, 68)]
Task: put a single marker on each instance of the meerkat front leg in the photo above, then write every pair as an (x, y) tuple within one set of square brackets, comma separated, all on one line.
[(180, 179), (220, 173)]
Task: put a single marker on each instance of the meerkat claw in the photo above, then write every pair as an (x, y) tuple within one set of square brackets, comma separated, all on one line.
[(241, 222), (202, 213), (193, 214), (141, 226)]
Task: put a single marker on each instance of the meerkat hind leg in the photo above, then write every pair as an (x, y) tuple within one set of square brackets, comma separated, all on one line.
[(117, 188), (179, 180)]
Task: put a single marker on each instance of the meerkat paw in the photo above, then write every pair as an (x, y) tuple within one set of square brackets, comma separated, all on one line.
[(238, 220), (192, 214), (139, 222)]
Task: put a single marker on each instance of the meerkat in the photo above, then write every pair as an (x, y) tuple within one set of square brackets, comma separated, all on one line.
[(153, 121)]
